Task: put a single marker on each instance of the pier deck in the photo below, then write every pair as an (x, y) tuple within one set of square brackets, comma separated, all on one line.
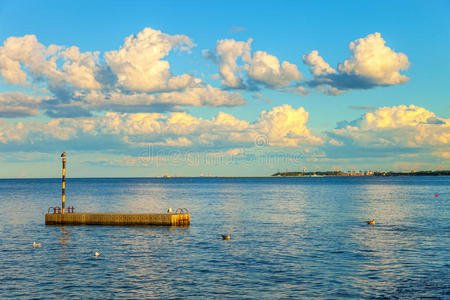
[(165, 219)]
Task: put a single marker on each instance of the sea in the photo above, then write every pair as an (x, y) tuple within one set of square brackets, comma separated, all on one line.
[(298, 238)]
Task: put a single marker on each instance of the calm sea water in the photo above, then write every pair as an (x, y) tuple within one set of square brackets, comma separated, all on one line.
[(290, 237)]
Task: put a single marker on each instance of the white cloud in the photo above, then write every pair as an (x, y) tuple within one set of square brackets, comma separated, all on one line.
[(265, 68), (371, 64), (281, 126), (398, 126), (371, 58), (228, 51), (135, 78), (330, 91), (335, 143), (138, 64), (261, 67), (200, 95), (396, 116), (285, 126), (37, 132), (17, 111), (317, 66), (27, 51), (299, 90), (80, 68), (10, 70), (178, 142), (24, 57), (16, 104)]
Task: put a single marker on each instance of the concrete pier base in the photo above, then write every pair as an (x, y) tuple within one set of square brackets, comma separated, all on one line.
[(168, 219)]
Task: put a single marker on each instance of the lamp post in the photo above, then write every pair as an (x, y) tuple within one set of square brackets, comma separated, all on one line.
[(63, 155)]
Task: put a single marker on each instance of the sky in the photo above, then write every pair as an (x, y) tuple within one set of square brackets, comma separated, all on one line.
[(191, 88)]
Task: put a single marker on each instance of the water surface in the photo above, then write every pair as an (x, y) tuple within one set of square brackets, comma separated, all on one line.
[(290, 237)]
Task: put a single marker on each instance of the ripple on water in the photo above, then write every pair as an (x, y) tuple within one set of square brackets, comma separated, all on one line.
[(295, 237)]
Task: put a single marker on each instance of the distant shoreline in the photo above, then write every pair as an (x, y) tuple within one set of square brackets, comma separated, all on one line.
[(361, 174)]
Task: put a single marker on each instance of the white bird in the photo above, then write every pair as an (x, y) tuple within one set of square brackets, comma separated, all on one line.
[(96, 254), (36, 244)]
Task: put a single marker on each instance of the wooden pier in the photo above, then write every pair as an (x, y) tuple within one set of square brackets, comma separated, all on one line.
[(181, 217), (166, 219)]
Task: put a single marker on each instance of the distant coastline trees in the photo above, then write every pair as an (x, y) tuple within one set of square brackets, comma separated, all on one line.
[(366, 173)]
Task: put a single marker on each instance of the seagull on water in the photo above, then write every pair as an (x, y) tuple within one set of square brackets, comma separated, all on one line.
[(371, 222), (36, 244)]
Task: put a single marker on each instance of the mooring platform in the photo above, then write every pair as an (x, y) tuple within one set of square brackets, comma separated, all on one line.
[(121, 219)]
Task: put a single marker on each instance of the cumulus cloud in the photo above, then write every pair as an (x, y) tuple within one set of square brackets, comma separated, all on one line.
[(371, 58), (17, 112), (134, 78), (299, 90), (395, 127), (138, 64), (260, 67), (266, 69), (329, 90), (115, 100), (371, 64), (228, 51), (80, 68), (11, 71), (16, 104), (281, 126), (23, 58), (175, 142), (202, 95), (317, 66), (285, 126), (28, 52)]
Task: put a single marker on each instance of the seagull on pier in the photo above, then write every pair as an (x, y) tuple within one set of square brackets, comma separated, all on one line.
[(36, 244), (63, 154)]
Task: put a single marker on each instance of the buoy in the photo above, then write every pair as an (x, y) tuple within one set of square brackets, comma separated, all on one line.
[(226, 236), (436, 195), (371, 222), (36, 244), (96, 254)]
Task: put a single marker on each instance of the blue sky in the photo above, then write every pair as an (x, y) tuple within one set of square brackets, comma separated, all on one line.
[(226, 88)]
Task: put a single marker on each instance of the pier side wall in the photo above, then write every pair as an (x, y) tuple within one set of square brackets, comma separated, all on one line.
[(117, 219)]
